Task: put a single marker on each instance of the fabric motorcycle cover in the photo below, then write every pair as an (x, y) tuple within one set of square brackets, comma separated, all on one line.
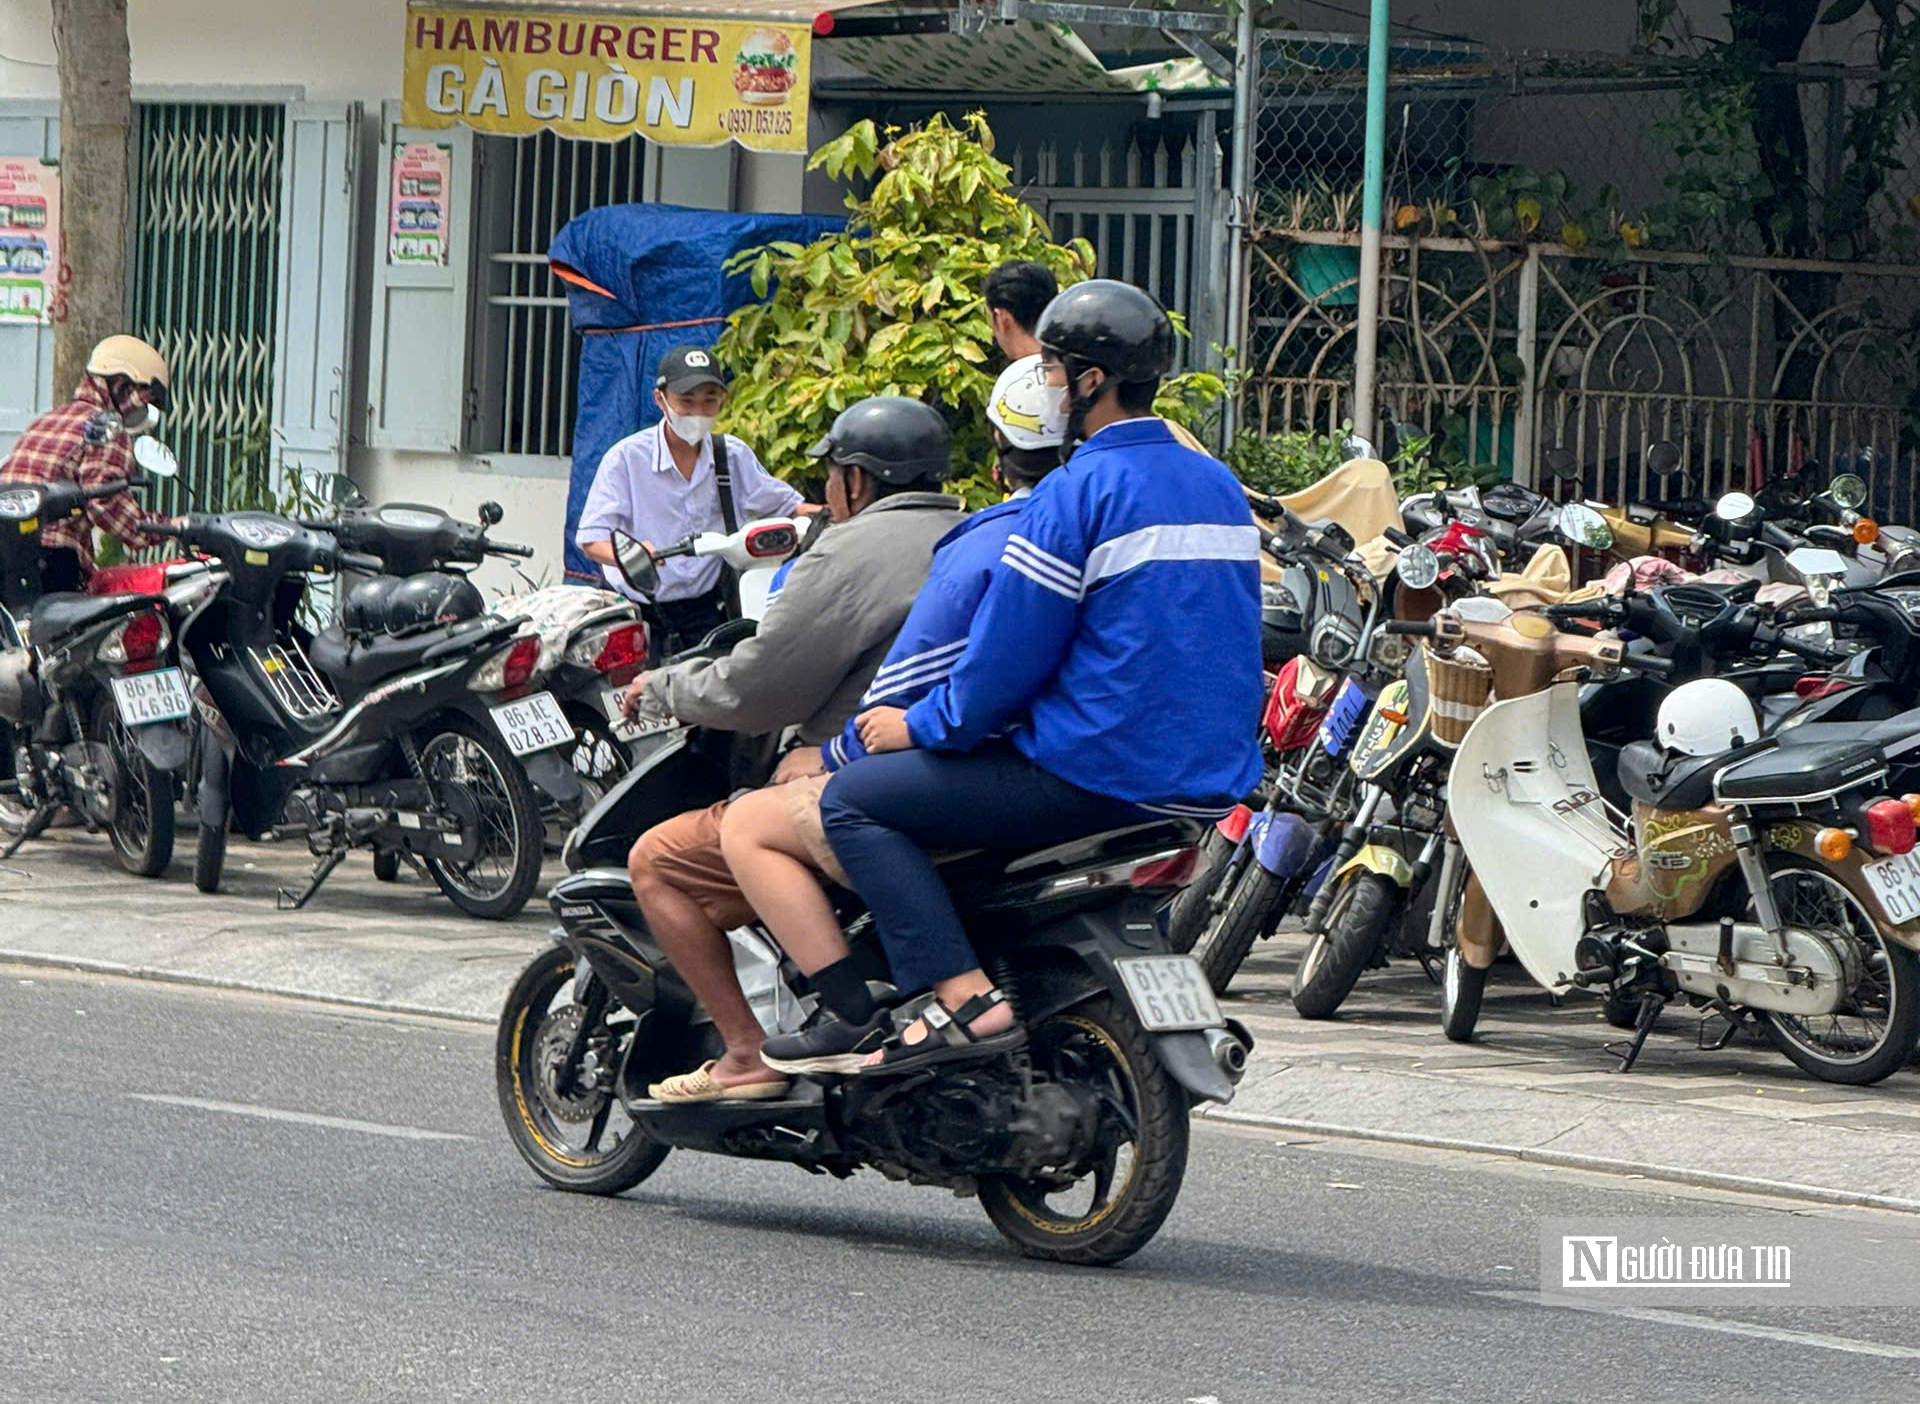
[(642, 279)]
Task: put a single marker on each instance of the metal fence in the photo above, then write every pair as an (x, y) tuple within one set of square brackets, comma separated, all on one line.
[(1542, 285)]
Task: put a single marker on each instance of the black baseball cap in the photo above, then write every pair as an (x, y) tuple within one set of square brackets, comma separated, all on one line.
[(688, 368)]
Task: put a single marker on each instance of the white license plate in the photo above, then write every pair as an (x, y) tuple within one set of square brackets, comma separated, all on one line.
[(152, 697), (627, 728), (1169, 992), (533, 724), (1896, 882)]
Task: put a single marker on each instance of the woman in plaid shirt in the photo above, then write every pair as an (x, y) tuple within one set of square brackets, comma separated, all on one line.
[(128, 377)]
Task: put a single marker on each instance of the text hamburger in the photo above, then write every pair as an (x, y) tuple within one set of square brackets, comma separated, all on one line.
[(763, 71)]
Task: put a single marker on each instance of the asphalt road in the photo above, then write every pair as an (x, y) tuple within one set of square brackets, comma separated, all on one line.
[(161, 1238)]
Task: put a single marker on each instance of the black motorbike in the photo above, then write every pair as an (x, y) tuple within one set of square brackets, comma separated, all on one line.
[(1076, 1146), (93, 709), (415, 748)]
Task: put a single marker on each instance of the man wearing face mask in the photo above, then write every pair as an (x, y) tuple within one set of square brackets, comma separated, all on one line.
[(671, 480), (79, 443)]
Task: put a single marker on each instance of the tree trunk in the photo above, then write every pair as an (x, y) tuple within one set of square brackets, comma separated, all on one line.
[(96, 113)]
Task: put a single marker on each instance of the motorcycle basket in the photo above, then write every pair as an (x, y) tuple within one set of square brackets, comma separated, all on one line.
[(1459, 688)]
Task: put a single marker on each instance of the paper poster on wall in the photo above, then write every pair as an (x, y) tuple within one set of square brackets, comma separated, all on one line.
[(420, 203), (29, 239)]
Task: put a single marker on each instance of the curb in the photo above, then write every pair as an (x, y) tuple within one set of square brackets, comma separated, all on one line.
[(1673, 1174), (217, 982)]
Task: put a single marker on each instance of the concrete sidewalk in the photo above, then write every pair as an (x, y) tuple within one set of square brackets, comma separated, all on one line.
[(1534, 1085)]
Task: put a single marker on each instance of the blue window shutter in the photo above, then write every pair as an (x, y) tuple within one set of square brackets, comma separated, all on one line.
[(312, 372), (417, 369), (26, 352)]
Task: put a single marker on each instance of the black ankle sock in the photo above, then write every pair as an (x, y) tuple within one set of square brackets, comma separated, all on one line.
[(843, 989)]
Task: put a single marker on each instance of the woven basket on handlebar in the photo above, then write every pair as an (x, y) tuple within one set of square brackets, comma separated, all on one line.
[(1459, 689)]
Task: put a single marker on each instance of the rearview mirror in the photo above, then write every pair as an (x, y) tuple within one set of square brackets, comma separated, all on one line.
[(1353, 446), (636, 564), (156, 460), (342, 491), (1663, 458), (491, 513), (1733, 507), (1583, 526), (1849, 490), (1562, 464)]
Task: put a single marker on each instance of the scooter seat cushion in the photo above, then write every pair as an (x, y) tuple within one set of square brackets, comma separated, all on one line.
[(1799, 772), (62, 613), (354, 664)]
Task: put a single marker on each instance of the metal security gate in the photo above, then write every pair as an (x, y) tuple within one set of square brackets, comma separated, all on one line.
[(203, 258)]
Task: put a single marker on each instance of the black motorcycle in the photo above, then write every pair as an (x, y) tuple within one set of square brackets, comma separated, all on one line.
[(1076, 1146), (93, 709), (416, 748)]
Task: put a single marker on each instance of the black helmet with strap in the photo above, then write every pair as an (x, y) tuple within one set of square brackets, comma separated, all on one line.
[(897, 440), (1113, 325)]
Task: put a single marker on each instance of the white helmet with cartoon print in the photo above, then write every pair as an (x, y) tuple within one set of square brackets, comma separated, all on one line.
[(1025, 408)]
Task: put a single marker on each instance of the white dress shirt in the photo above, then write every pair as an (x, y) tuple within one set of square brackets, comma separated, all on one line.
[(638, 490)]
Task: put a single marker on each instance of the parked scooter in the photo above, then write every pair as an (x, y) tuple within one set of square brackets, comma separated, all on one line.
[(93, 707), (423, 750), (1771, 884), (1076, 1145)]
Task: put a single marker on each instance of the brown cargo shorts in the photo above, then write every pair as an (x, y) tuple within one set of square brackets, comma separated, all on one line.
[(684, 852)]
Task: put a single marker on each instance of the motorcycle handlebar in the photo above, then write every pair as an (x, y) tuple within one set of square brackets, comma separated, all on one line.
[(1422, 627), (508, 548), (1397, 537), (360, 561)]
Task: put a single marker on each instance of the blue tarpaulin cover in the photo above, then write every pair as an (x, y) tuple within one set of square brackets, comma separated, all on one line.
[(632, 272)]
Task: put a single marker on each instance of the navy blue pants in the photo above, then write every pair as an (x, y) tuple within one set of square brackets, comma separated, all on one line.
[(883, 813)]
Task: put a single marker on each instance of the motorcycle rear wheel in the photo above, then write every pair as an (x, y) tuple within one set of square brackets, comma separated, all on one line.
[(1875, 1037), (458, 752), (528, 1049), (1250, 910), (1131, 1185), (1357, 923), (1192, 909), (142, 825)]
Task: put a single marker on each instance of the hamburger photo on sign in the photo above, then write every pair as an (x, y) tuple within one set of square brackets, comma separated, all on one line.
[(763, 73)]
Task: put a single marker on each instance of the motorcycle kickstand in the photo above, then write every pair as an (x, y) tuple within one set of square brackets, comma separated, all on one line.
[(287, 900), (1651, 1003), (1735, 1022), (27, 830)]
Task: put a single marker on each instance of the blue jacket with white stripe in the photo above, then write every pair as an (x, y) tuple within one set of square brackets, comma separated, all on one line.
[(935, 632), (1120, 638)]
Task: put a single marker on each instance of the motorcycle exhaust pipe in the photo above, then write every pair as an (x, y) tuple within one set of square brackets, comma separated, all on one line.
[(1229, 1054)]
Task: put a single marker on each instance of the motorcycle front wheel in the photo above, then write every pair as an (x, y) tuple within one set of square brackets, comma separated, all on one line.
[(18, 809), (1192, 909), (494, 882), (142, 824), (1108, 1206), (1357, 922), (1250, 910), (578, 1139)]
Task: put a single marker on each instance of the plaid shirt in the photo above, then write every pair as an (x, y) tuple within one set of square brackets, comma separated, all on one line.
[(52, 450)]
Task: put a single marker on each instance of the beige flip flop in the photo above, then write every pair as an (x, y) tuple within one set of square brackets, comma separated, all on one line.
[(699, 1086)]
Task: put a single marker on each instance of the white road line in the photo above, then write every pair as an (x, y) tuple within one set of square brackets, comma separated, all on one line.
[(332, 1123), (1729, 1328)]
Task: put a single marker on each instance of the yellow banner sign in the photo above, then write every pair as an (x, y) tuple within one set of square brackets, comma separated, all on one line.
[(681, 82)]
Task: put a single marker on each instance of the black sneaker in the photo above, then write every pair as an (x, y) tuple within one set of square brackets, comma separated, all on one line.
[(830, 1046)]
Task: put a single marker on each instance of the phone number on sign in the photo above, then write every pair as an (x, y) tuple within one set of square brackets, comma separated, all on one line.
[(745, 121)]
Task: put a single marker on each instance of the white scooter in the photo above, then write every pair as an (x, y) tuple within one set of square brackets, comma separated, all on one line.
[(1767, 883), (754, 553)]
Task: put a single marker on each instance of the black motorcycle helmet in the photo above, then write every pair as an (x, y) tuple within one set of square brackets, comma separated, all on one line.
[(1108, 324), (429, 601), (364, 611), (901, 442)]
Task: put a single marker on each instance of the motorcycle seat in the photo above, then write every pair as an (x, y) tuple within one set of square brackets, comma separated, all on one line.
[(1666, 779), (354, 664), (57, 615), (1893, 734), (982, 875), (1799, 772)]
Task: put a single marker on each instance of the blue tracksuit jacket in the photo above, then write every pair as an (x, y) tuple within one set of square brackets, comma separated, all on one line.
[(935, 632), (1120, 637)]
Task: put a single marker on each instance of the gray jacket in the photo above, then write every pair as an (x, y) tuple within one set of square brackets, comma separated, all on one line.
[(825, 636)]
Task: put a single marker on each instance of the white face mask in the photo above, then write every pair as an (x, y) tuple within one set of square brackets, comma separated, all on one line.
[(691, 428)]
